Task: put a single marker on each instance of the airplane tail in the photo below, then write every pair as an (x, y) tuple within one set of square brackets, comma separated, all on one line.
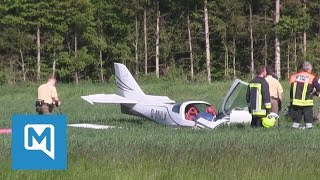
[(129, 91), (126, 84), (129, 88)]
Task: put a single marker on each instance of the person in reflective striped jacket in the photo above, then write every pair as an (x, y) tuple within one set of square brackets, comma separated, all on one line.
[(258, 97), (303, 86)]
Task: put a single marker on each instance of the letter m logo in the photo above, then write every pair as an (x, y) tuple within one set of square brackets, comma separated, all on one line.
[(39, 137)]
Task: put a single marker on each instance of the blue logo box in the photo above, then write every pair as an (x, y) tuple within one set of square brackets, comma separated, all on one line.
[(39, 142)]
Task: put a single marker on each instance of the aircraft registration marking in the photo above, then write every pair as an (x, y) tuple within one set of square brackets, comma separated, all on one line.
[(158, 115)]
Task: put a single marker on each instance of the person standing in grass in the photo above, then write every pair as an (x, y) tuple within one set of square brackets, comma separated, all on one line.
[(47, 97), (302, 89), (258, 97), (275, 90)]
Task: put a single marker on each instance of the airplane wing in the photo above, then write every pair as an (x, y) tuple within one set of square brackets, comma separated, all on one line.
[(107, 99), (203, 123)]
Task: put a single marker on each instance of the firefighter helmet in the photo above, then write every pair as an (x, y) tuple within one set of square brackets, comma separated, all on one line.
[(270, 120)]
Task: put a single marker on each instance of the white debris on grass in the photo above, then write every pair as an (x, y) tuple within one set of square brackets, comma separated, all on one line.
[(91, 126)]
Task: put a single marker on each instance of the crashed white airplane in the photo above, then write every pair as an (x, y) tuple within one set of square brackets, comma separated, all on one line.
[(165, 111)]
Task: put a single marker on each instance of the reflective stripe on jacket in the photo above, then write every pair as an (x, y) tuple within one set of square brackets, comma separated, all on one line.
[(302, 87)]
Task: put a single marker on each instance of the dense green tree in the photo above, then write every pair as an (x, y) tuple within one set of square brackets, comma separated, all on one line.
[(80, 39)]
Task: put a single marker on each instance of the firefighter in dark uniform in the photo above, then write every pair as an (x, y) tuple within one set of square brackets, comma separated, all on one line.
[(258, 97), (302, 87)]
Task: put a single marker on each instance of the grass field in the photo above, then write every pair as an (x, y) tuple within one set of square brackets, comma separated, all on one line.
[(144, 150)]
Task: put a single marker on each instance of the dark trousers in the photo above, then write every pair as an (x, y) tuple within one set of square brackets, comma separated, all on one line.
[(44, 109), (256, 121), (299, 111)]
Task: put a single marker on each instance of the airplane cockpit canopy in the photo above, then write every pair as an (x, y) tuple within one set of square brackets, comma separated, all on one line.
[(235, 98)]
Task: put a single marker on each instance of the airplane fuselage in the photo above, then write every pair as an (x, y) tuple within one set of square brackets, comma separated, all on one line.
[(165, 114), (165, 111), (159, 113)]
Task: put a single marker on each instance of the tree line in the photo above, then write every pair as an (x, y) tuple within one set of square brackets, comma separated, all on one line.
[(192, 39)]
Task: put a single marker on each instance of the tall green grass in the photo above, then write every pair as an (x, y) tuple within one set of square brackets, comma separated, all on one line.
[(141, 149)]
